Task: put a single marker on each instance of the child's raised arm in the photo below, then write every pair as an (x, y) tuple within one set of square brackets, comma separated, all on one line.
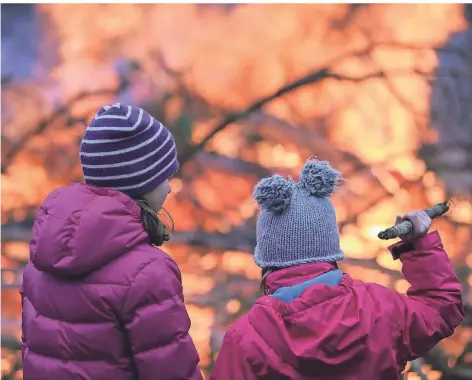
[(432, 308)]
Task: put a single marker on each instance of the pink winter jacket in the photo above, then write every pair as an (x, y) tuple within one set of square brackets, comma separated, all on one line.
[(349, 331), (99, 302)]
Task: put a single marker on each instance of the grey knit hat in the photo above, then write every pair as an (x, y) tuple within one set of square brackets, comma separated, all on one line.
[(297, 221)]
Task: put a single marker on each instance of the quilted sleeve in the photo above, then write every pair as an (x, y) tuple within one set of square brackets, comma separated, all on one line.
[(157, 324)]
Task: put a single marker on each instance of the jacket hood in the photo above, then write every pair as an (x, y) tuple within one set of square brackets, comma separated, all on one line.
[(313, 336), (80, 228)]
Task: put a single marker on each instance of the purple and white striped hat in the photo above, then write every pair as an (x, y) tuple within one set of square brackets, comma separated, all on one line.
[(126, 149)]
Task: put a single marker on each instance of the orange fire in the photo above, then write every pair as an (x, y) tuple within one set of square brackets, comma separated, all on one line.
[(229, 59)]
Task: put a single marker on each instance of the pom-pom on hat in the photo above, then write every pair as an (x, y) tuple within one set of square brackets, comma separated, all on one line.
[(297, 221), (126, 149)]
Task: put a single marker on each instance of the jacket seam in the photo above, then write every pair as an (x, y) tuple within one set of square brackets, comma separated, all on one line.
[(239, 338), (51, 357), (76, 224), (133, 281), (308, 305), (122, 321), (177, 338), (266, 344)]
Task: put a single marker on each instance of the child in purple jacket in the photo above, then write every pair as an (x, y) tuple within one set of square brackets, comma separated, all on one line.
[(100, 302)]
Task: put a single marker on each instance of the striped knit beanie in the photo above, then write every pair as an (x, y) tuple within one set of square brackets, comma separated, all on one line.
[(297, 221), (126, 149)]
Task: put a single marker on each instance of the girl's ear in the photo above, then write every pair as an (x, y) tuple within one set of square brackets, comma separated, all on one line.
[(319, 178), (273, 193)]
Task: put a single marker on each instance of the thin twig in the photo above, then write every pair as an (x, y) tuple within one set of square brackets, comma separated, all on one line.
[(416, 368), (412, 46), (312, 78), (46, 122)]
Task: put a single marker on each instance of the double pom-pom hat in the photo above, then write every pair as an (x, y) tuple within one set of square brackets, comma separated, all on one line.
[(297, 221)]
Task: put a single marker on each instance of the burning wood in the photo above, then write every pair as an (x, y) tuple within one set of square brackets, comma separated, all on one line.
[(406, 227), (354, 88)]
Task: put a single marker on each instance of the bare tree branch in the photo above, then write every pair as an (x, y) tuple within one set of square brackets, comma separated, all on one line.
[(422, 46), (441, 362), (238, 239), (319, 75), (46, 122), (312, 78), (416, 368), (231, 118), (13, 231)]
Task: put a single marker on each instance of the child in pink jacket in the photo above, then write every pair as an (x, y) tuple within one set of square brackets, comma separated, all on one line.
[(315, 322)]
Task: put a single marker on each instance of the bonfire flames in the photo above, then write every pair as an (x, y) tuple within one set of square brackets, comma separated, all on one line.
[(367, 87)]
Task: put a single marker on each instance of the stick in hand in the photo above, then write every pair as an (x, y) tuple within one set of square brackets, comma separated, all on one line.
[(406, 227)]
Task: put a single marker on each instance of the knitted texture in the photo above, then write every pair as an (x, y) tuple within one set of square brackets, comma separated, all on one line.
[(297, 221), (126, 149)]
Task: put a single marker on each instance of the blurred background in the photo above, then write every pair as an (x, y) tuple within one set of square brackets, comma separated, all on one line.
[(381, 91)]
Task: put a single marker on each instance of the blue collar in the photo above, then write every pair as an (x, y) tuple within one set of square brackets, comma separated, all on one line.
[(289, 293)]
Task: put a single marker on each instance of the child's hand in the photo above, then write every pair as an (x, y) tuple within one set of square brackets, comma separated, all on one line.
[(421, 224)]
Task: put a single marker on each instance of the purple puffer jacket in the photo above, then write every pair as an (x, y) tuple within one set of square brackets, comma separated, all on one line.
[(99, 302)]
